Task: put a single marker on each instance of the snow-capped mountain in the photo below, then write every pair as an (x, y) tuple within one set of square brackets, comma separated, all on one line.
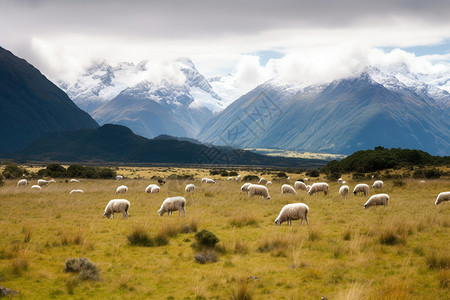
[(369, 109)]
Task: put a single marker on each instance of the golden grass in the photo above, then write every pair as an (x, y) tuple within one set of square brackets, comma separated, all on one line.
[(340, 255)]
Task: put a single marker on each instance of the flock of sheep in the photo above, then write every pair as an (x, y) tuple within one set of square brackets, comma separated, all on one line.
[(294, 211)]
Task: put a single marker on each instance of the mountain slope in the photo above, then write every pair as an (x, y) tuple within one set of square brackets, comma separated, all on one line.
[(341, 117), (31, 105)]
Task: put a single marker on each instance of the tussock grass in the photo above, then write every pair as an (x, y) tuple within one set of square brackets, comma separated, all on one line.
[(268, 244), (244, 220), (355, 291), (140, 237), (19, 265), (84, 267), (27, 234), (243, 290), (438, 260)]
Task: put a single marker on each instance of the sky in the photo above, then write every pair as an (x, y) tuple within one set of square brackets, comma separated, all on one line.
[(254, 40)]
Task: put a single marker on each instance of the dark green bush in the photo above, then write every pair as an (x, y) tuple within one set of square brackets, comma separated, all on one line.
[(233, 173), (251, 178), (398, 182), (206, 239), (13, 171), (281, 175), (86, 269), (358, 176), (313, 173)]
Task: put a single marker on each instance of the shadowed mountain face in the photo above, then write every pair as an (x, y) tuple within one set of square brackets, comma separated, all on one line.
[(116, 143), (31, 106), (341, 117)]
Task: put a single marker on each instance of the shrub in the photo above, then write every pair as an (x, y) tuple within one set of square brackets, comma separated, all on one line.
[(1, 180), (13, 171), (313, 173), (358, 176), (206, 256), (333, 176), (281, 175), (251, 178), (398, 182), (140, 237), (233, 173), (84, 267), (206, 239)]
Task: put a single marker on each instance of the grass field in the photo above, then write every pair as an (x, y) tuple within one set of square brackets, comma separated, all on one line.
[(397, 252)]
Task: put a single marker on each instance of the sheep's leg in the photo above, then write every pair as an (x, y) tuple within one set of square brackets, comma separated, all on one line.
[(307, 220), (113, 215)]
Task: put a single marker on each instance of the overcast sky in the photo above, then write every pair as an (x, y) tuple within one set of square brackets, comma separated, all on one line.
[(253, 39)]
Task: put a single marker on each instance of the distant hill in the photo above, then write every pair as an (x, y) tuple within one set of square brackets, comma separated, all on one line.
[(31, 105), (116, 143)]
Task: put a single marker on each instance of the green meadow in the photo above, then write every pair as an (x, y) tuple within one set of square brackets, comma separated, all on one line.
[(401, 251)]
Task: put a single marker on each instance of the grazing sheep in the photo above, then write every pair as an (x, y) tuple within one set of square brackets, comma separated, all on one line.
[(308, 187), (378, 199), (121, 189), (340, 180), (422, 181), (189, 188), (378, 184), (36, 187), (22, 182), (299, 185), (361, 188), (262, 181), (51, 181), (343, 191), (119, 177), (318, 187), (305, 179), (117, 206), (287, 189), (42, 182), (238, 178), (258, 190), (269, 182), (152, 188), (75, 180), (444, 196), (291, 212), (208, 180), (344, 182), (230, 178), (171, 204), (245, 187), (76, 192)]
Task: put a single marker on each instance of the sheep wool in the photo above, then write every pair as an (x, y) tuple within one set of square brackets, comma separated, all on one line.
[(22, 182), (245, 187), (262, 181), (76, 192), (119, 177), (189, 188), (343, 191), (287, 189), (444, 196), (42, 182), (295, 211), (378, 184), (258, 190), (117, 206), (299, 185), (121, 189), (361, 188), (318, 187), (152, 188), (171, 204), (378, 199), (36, 187)]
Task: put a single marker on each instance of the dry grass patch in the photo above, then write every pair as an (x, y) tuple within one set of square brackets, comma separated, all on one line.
[(243, 290), (438, 260), (244, 220)]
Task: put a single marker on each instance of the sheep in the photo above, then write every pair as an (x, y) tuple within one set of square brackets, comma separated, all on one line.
[(36, 187), (258, 190), (340, 180), (344, 182), (422, 181), (444, 196), (287, 189), (378, 199), (172, 204), (51, 181), (189, 188), (378, 184), (119, 177), (361, 188), (76, 192), (262, 181), (308, 187), (117, 206), (343, 191), (75, 180), (305, 179), (22, 182), (207, 180), (299, 185), (245, 187), (152, 188), (269, 182), (291, 212), (318, 187), (230, 178), (42, 182), (238, 178), (121, 189)]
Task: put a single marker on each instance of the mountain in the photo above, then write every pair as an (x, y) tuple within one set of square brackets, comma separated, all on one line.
[(344, 116), (128, 95), (31, 105), (116, 143)]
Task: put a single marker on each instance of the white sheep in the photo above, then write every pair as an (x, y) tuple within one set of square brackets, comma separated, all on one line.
[(36, 187), (305, 179), (42, 182), (262, 181), (121, 189), (378, 199), (245, 187), (308, 187), (340, 180), (152, 188), (208, 180), (22, 182), (76, 192), (344, 182), (291, 212), (269, 182), (378, 184), (343, 191), (361, 188), (189, 188), (422, 181), (117, 206), (230, 178), (287, 189), (444, 196), (75, 180), (318, 187), (119, 177), (299, 185), (51, 181), (238, 178), (258, 190), (171, 204)]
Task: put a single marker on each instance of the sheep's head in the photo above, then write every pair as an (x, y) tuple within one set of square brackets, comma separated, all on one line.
[(161, 212), (354, 192), (268, 198), (277, 222), (365, 206), (107, 214)]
